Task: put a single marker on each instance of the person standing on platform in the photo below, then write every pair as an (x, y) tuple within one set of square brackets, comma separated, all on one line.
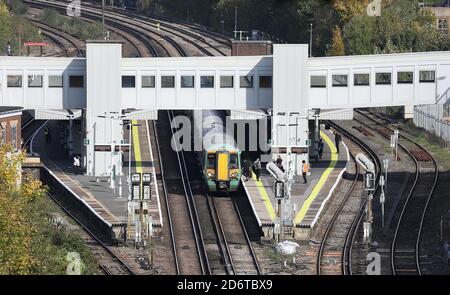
[(279, 163), (305, 170), (321, 146), (257, 168), (246, 170), (337, 141)]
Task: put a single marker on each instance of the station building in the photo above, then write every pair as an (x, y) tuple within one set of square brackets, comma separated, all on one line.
[(10, 126)]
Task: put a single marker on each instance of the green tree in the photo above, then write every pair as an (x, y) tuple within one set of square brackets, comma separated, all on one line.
[(15, 232), (337, 45), (5, 26)]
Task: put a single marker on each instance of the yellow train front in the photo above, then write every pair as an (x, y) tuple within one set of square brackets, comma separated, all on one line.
[(222, 168)]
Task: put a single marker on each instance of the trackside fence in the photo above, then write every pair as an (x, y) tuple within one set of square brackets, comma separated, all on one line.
[(435, 119)]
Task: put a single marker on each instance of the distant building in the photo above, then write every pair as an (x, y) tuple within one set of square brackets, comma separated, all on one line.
[(10, 126), (442, 17)]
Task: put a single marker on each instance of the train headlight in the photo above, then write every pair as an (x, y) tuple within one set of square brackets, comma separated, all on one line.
[(234, 174), (210, 175)]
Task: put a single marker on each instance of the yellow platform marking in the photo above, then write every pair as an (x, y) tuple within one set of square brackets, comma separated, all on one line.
[(315, 192), (137, 147), (265, 197)]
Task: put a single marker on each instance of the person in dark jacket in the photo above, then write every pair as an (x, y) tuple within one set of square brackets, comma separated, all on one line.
[(321, 146), (337, 140)]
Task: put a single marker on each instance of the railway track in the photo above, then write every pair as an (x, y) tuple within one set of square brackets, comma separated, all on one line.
[(341, 246), (405, 246)]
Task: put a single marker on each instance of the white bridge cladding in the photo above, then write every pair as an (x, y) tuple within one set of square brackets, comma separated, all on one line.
[(233, 83)]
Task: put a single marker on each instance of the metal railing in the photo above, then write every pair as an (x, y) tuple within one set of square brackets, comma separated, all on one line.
[(434, 119)]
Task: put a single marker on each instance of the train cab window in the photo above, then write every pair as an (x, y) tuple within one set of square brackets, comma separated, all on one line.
[(14, 81), (246, 81), (383, 78), (340, 80), (226, 81), (361, 79), (187, 81), (76, 81), (234, 161), (265, 81), (167, 81), (207, 81), (211, 161), (318, 81), (405, 77), (427, 76), (55, 81), (148, 81), (34, 81), (128, 81)]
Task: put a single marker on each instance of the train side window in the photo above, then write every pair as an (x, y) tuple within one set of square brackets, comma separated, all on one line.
[(167, 81), (128, 81), (427, 76), (340, 80), (14, 81), (318, 81), (405, 77), (211, 161), (148, 81), (265, 81), (207, 81), (187, 81), (55, 81), (76, 81), (34, 81), (246, 81), (234, 161), (383, 78), (361, 79), (226, 81)]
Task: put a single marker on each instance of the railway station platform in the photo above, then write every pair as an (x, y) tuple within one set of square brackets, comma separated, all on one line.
[(95, 193), (308, 199)]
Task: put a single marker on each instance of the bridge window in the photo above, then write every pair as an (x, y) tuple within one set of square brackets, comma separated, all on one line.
[(167, 81), (55, 81), (246, 81), (383, 78), (128, 81), (361, 79), (14, 81), (76, 81), (226, 81), (405, 77), (318, 81), (187, 81), (207, 81), (34, 81), (148, 81), (340, 80), (427, 76), (265, 81)]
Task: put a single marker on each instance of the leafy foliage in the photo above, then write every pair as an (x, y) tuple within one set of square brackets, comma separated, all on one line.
[(337, 45)]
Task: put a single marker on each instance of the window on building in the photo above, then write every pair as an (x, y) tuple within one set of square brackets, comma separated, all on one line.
[(442, 25), (76, 81), (14, 136), (427, 76), (318, 81), (265, 81), (167, 81), (207, 81), (187, 81), (246, 81), (128, 81), (340, 80), (405, 77), (148, 81), (55, 81), (14, 81), (383, 78), (3, 134), (361, 79), (34, 81), (226, 81)]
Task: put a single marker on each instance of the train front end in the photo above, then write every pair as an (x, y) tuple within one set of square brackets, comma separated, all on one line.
[(222, 169)]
